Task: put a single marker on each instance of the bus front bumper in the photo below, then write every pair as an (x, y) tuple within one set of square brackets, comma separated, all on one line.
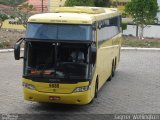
[(72, 98)]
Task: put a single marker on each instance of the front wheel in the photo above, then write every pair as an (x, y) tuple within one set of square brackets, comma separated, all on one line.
[(95, 92)]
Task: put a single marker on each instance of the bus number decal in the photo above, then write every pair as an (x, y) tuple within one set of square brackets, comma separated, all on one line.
[(54, 85)]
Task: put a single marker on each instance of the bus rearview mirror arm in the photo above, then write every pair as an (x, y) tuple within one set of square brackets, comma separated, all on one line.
[(17, 49)]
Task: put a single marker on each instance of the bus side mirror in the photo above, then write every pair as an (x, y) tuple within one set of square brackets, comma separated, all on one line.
[(17, 48), (93, 55)]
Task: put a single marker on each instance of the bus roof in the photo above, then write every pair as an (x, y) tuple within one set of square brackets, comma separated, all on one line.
[(75, 15)]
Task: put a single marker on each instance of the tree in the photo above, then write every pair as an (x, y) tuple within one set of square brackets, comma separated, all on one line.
[(3, 17), (102, 3), (11, 2), (23, 12), (143, 12), (79, 3), (97, 3)]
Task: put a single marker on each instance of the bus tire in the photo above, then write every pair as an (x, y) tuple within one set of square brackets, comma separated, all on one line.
[(110, 77), (113, 69), (96, 89), (115, 63), (95, 92)]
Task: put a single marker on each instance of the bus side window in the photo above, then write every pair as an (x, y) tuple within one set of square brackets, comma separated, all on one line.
[(108, 28)]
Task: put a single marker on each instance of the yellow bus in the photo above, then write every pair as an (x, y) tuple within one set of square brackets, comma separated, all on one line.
[(69, 54)]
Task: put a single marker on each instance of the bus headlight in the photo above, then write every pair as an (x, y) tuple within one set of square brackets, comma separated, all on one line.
[(29, 86), (81, 89)]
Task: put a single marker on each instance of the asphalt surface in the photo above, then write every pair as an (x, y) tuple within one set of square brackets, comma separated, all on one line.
[(134, 89)]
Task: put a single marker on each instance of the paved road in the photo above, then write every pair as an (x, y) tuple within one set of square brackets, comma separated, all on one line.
[(134, 89)]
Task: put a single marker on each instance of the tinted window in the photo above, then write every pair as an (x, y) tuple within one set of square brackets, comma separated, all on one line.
[(58, 32), (41, 31)]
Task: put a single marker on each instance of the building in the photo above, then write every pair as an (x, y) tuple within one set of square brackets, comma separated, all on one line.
[(53, 4), (38, 5), (48, 5)]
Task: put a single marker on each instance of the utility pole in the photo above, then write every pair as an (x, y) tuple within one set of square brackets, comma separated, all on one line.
[(116, 3), (42, 6), (137, 30)]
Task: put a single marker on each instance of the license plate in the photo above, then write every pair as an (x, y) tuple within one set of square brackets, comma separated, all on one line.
[(54, 98)]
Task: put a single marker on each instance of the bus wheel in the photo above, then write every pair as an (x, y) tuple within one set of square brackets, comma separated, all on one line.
[(113, 69), (96, 89), (95, 92), (112, 72)]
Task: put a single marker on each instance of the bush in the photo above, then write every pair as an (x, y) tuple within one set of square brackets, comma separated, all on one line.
[(124, 26), (79, 3)]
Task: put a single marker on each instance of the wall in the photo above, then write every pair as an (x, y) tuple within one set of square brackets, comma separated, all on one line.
[(151, 31), (38, 4), (53, 4)]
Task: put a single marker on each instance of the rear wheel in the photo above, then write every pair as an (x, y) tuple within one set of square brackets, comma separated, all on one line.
[(96, 89), (113, 68), (112, 71)]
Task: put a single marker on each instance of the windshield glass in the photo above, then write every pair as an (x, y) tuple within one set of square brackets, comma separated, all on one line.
[(58, 32), (56, 60)]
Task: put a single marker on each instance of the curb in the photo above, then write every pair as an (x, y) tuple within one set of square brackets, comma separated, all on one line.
[(8, 50), (122, 48), (139, 49)]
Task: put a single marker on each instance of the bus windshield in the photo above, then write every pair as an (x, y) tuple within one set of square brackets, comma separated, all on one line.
[(61, 60), (58, 32)]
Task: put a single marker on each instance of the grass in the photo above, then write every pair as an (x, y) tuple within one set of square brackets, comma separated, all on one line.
[(130, 41)]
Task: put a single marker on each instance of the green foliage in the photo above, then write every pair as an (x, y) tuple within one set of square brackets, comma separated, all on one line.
[(142, 11), (11, 2), (3, 17), (97, 3), (124, 15), (124, 26), (102, 3), (79, 3)]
